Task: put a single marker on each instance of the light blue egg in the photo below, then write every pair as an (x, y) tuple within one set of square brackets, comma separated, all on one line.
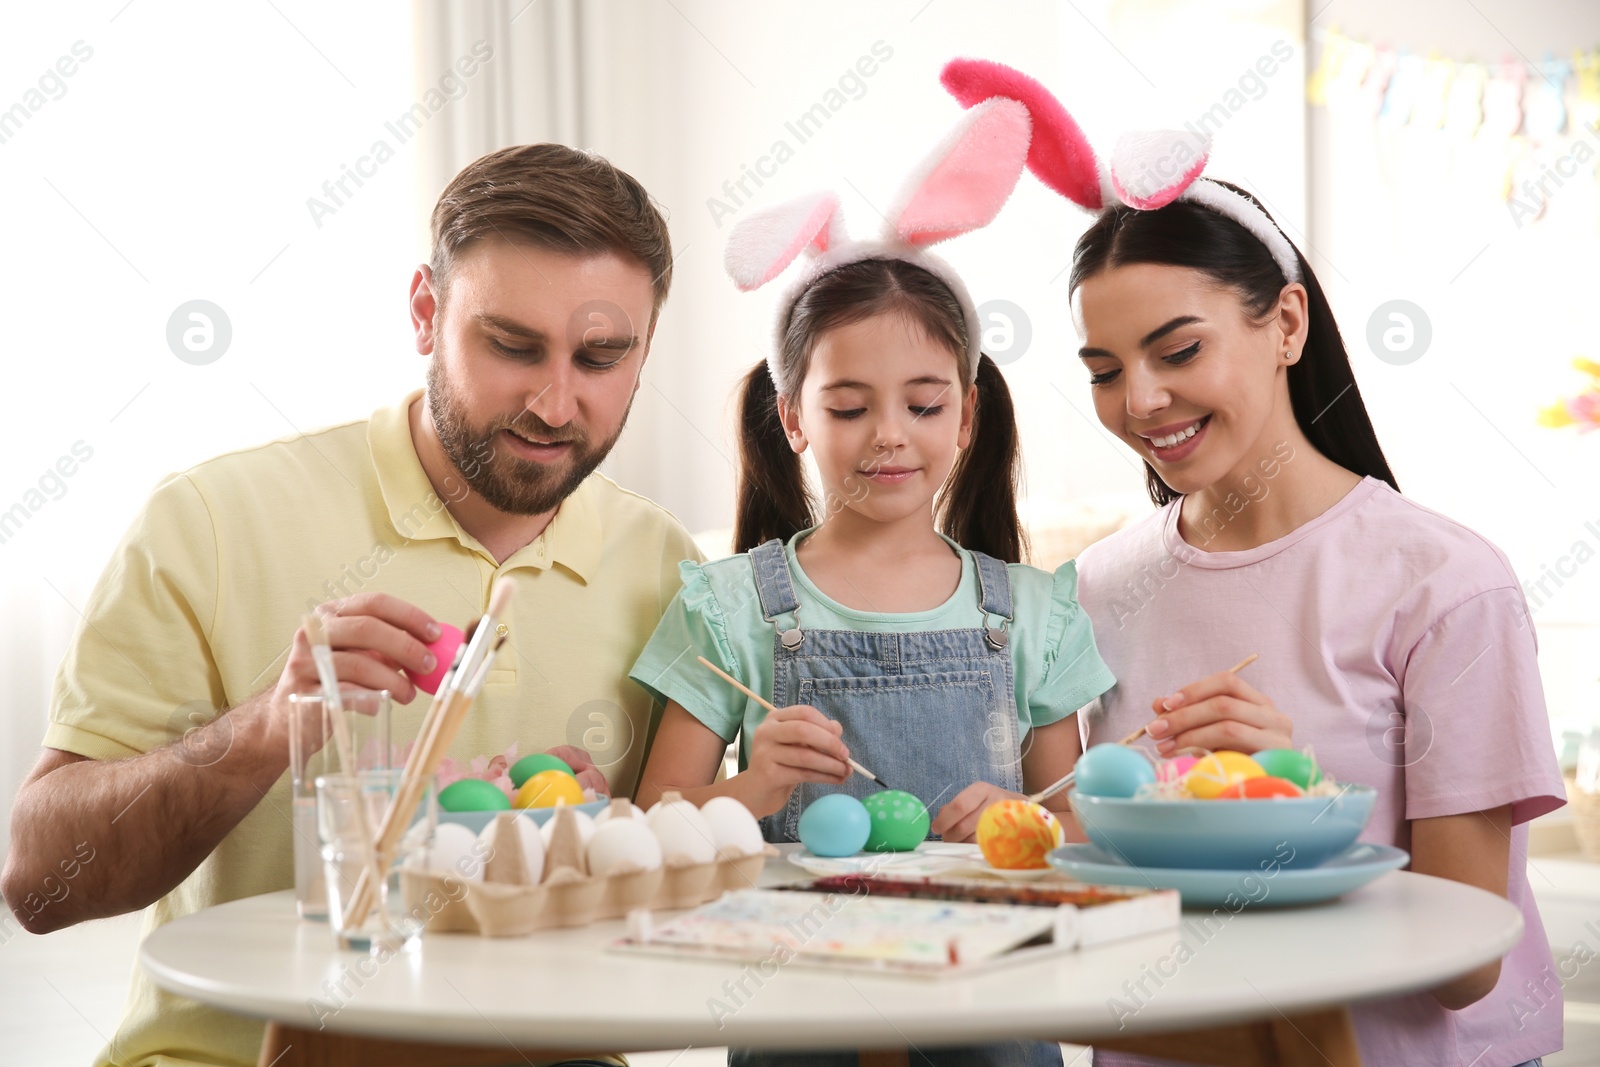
[(1112, 771), (835, 825)]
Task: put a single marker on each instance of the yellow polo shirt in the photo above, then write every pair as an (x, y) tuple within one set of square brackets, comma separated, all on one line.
[(201, 600)]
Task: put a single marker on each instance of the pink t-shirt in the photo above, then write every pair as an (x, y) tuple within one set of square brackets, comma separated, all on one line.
[(1401, 645)]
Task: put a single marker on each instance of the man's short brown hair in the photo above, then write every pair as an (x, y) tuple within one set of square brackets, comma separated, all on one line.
[(552, 197)]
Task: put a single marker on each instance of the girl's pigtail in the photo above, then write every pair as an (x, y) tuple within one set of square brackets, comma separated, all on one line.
[(774, 500), (979, 504)]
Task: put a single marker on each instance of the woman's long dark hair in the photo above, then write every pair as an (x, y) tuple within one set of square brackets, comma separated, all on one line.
[(977, 507), (1322, 388)]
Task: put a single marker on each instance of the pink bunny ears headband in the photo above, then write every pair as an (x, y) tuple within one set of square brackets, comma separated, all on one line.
[(1147, 170), (959, 187)]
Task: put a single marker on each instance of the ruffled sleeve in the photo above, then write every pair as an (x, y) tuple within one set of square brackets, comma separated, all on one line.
[(694, 625), (1074, 673)]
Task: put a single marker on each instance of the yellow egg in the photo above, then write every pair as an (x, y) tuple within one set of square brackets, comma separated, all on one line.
[(1015, 834), (547, 789), (1212, 774)]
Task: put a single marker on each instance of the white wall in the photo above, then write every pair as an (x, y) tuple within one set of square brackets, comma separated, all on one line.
[(1409, 213)]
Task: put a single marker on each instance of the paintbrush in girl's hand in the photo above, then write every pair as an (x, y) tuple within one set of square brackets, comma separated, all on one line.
[(759, 699)]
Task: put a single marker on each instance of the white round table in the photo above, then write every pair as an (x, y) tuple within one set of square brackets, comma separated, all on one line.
[(560, 989)]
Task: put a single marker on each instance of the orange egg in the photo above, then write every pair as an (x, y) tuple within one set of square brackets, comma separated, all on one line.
[(547, 789), (1014, 835), (1261, 789)]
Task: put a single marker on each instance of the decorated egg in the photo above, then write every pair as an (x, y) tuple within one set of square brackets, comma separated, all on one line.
[(622, 845), (1297, 767), (586, 828), (532, 764), (473, 794), (1263, 788), (1112, 771), (899, 821), (1173, 769), (1211, 774), (735, 831), (527, 836), (1015, 835), (835, 825), (454, 850), (683, 832), (546, 789)]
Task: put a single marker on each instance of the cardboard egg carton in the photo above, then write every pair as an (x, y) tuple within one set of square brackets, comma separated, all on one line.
[(505, 904)]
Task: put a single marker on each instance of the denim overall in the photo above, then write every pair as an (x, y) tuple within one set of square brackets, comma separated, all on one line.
[(929, 712)]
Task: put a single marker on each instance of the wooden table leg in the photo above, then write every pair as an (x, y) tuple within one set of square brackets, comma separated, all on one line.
[(884, 1057), (1313, 1039), (288, 1046)]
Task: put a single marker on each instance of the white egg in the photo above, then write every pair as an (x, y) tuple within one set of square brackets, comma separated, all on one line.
[(585, 828), (532, 845), (454, 851), (634, 812), (623, 843), (683, 832), (735, 831)]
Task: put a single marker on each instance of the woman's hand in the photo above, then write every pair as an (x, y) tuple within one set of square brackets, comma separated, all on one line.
[(793, 745), (958, 820), (1221, 711)]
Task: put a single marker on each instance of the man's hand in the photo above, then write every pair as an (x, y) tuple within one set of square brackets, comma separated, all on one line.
[(373, 636), (582, 765)]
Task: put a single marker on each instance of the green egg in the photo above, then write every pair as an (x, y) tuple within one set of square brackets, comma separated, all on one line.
[(473, 794), (528, 766), (899, 821), (1297, 767)]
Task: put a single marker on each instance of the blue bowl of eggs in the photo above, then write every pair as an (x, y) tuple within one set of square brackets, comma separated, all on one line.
[(1225, 834), (1223, 812)]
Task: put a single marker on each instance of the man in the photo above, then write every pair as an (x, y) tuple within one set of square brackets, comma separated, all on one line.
[(537, 307)]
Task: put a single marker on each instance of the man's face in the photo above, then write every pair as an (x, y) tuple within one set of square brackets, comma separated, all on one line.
[(536, 357)]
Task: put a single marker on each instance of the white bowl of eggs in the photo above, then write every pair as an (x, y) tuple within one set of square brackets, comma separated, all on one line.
[(517, 876)]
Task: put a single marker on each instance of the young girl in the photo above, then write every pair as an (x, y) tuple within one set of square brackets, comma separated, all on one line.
[(911, 647), (1399, 640)]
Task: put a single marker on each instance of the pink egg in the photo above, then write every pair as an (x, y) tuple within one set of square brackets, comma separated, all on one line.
[(444, 651), (1173, 769)]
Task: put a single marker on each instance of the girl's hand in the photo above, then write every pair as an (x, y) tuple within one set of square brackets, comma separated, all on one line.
[(793, 745), (958, 820), (1221, 711)]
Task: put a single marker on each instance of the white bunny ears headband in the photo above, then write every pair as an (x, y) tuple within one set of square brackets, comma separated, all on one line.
[(1147, 170), (959, 187)]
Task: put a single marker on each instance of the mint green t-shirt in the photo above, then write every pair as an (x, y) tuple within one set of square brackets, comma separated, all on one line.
[(717, 614)]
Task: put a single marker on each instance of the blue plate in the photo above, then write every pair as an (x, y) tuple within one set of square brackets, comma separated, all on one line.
[(1351, 869), (476, 821)]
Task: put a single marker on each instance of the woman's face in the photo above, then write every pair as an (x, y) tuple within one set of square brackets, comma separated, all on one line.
[(1180, 372), (883, 411)]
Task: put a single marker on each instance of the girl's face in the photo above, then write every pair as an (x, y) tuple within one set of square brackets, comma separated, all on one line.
[(1180, 372), (884, 412)]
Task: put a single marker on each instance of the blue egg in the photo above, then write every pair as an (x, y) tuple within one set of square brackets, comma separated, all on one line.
[(1112, 771), (835, 825)]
